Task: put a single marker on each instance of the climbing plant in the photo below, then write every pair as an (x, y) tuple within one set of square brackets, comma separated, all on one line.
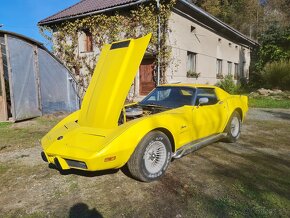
[(106, 28)]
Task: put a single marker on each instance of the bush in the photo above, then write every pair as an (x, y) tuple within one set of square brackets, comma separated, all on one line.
[(277, 75), (228, 84)]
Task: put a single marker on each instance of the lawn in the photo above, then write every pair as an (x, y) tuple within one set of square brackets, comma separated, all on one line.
[(269, 102), (250, 178)]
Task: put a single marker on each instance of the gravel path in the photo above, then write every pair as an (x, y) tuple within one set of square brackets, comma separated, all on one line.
[(269, 114)]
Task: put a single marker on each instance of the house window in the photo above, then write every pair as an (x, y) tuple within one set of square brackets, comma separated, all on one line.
[(219, 68), (88, 41), (236, 75), (242, 72), (191, 62), (230, 66)]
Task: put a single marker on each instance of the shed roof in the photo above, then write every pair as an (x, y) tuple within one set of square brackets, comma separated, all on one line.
[(25, 38), (34, 42)]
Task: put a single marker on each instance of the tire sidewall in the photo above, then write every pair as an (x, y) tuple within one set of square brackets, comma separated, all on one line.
[(230, 136), (151, 138)]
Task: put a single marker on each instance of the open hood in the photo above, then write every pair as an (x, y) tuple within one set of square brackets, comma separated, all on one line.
[(113, 76)]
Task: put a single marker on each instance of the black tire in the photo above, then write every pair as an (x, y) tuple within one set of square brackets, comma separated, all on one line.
[(233, 128), (151, 157)]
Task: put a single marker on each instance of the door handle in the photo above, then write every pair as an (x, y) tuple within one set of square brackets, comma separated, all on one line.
[(221, 102)]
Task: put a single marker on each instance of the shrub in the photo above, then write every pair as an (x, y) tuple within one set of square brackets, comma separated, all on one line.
[(228, 84), (277, 75)]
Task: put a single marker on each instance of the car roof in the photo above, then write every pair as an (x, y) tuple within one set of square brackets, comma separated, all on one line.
[(189, 85)]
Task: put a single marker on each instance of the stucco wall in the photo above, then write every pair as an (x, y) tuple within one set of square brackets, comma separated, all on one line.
[(208, 45)]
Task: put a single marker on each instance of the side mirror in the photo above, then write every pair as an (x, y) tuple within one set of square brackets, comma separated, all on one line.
[(202, 101)]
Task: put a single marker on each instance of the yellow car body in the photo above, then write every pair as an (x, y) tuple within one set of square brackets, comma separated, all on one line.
[(94, 138)]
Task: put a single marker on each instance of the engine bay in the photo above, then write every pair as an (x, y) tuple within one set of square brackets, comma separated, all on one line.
[(136, 111)]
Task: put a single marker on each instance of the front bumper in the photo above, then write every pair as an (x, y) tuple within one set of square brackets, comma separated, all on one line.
[(95, 163), (64, 164)]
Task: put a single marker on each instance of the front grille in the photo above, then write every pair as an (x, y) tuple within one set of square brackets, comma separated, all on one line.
[(76, 164)]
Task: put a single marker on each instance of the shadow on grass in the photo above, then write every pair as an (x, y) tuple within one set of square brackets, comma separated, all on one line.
[(225, 180), (82, 210), (258, 186)]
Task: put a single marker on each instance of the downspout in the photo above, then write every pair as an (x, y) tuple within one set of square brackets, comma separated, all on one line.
[(159, 47)]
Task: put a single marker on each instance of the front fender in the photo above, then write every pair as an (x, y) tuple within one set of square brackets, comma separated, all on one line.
[(126, 138)]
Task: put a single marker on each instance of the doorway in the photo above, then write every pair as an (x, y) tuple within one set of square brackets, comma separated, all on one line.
[(146, 76)]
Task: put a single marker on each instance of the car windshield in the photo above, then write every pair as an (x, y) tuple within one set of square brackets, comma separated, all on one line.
[(170, 97)]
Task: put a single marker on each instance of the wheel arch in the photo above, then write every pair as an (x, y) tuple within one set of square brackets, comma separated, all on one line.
[(169, 135), (239, 110)]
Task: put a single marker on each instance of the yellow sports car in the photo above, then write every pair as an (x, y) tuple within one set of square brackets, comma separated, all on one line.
[(173, 120)]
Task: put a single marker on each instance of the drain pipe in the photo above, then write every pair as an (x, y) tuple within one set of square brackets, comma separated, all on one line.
[(159, 47)]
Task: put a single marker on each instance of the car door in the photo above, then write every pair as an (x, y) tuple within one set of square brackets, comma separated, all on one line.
[(185, 102), (209, 118)]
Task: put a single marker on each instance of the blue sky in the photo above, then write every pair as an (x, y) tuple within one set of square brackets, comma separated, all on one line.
[(21, 16)]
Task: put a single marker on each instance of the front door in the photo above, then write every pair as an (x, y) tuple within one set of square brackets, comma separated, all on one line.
[(208, 119), (146, 76)]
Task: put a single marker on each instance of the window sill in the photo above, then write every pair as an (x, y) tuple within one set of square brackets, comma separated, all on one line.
[(86, 52)]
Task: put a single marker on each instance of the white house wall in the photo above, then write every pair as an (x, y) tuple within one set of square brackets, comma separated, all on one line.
[(208, 45)]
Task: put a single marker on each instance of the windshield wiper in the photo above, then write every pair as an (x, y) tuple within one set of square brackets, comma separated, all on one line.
[(154, 105)]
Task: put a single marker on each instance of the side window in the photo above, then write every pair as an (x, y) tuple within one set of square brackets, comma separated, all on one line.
[(160, 95), (206, 93)]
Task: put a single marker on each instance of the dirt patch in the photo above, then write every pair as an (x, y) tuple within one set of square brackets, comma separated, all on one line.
[(249, 178)]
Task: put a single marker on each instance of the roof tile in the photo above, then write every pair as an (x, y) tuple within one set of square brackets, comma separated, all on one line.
[(85, 6)]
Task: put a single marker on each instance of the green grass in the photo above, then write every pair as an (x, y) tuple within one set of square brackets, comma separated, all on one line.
[(268, 102), (24, 134), (4, 124)]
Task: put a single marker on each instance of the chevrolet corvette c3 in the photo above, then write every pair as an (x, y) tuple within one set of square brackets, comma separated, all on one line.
[(172, 121)]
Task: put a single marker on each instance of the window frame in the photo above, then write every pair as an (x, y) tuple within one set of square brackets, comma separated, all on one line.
[(230, 68), (88, 42), (236, 71), (193, 60), (219, 67)]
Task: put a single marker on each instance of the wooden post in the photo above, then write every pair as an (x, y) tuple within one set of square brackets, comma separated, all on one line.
[(13, 118), (3, 100), (37, 77)]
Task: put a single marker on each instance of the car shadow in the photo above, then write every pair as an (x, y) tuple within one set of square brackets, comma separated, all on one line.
[(84, 173)]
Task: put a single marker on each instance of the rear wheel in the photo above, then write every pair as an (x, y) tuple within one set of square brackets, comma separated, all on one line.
[(151, 157), (233, 128)]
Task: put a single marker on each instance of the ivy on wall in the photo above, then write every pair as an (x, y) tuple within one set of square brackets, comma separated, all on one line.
[(106, 28)]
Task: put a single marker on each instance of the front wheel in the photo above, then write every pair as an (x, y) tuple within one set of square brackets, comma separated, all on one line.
[(233, 128), (151, 157)]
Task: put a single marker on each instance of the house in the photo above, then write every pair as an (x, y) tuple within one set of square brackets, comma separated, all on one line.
[(33, 81), (203, 48)]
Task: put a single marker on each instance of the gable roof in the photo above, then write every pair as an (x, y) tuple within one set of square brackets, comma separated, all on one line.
[(87, 7), (91, 7)]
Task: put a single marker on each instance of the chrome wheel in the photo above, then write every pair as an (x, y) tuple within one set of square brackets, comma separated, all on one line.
[(151, 157), (235, 127), (155, 157)]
